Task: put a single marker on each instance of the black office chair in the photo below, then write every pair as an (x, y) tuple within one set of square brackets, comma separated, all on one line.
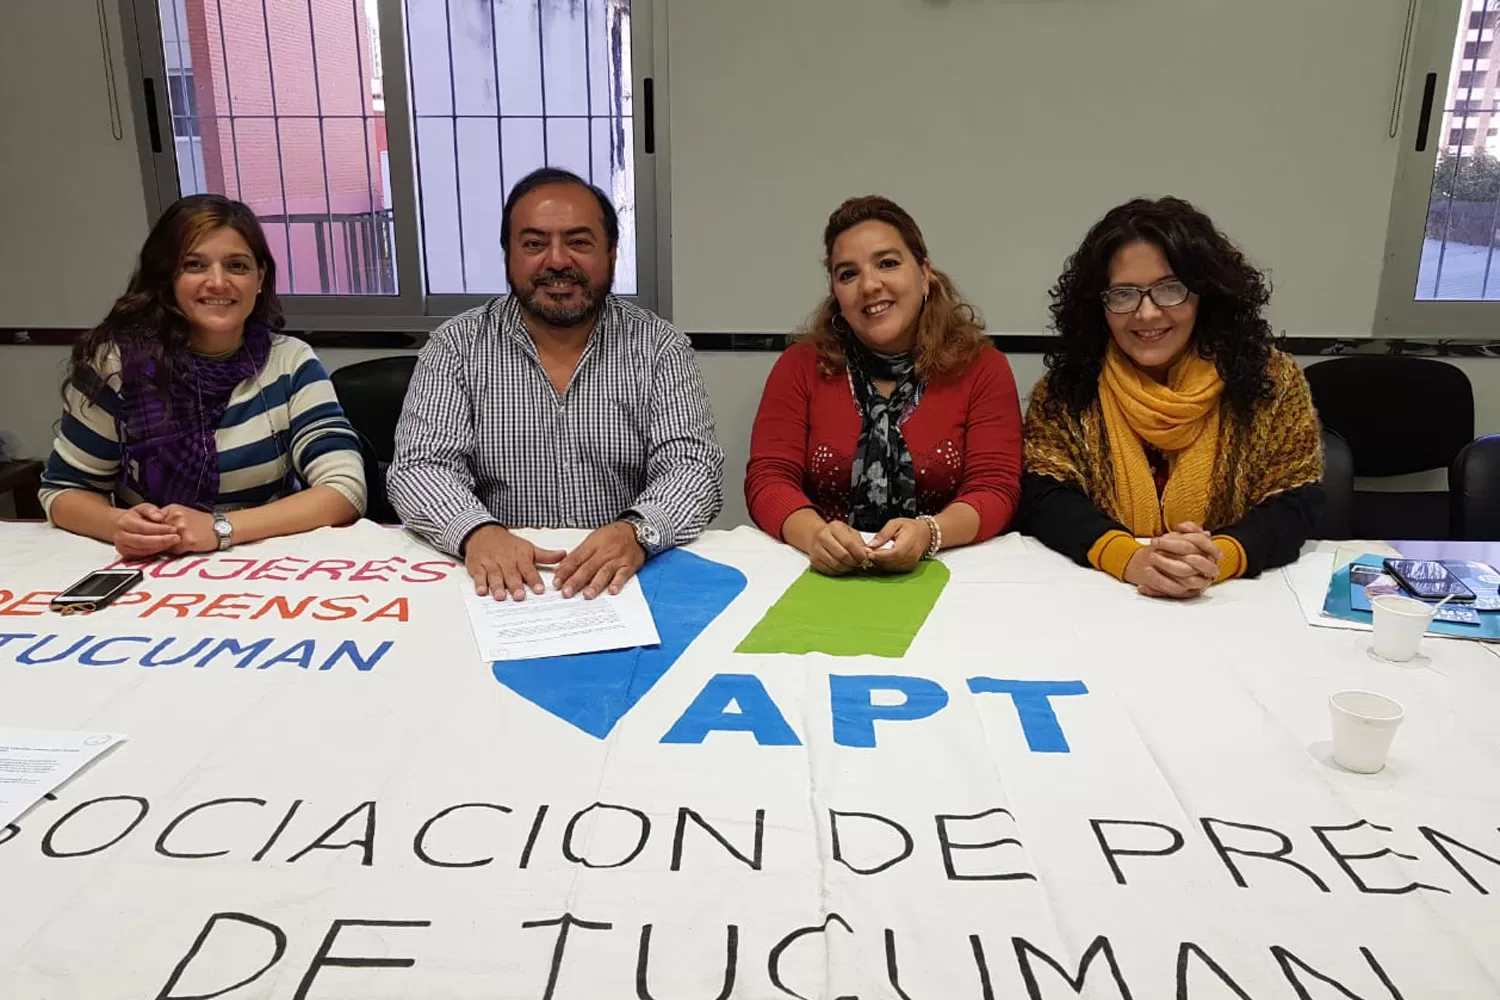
[(1337, 518), (371, 393), (1474, 489), (1399, 415), (377, 502)]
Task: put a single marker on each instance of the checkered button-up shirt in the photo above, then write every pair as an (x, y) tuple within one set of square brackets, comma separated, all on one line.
[(484, 437)]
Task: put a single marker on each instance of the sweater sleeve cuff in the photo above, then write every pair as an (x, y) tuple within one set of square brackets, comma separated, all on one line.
[(1233, 563), (1112, 551)]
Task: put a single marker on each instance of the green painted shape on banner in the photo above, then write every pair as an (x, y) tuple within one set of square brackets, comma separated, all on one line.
[(850, 615)]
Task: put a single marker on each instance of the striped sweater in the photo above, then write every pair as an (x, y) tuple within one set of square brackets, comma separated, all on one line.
[(286, 424)]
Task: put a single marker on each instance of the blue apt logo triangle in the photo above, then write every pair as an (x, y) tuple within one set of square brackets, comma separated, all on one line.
[(593, 691)]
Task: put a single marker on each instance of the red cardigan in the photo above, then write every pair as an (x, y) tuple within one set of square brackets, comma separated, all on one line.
[(964, 437)]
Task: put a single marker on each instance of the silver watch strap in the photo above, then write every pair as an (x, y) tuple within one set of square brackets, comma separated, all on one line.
[(643, 531), (226, 538)]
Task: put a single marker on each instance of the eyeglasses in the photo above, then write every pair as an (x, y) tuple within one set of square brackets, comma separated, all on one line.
[(1127, 298), (81, 608)]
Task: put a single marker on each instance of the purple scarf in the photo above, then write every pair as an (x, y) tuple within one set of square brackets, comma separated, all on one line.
[(167, 449)]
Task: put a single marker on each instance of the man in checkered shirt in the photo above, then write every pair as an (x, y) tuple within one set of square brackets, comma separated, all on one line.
[(557, 406)]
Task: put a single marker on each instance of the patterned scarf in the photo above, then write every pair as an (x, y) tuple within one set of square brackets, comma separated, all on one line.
[(167, 449), (883, 483)]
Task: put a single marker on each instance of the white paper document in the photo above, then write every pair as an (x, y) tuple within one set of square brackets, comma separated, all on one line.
[(1308, 577), (548, 624), (33, 762)]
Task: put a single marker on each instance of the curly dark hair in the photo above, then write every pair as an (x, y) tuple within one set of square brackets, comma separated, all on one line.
[(148, 314), (1230, 329)]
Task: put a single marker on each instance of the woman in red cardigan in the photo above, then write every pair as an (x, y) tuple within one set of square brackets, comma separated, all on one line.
[(891, 414)]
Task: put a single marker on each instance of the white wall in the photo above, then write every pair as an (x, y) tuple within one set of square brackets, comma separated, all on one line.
[(1007, 127), (72, 212)]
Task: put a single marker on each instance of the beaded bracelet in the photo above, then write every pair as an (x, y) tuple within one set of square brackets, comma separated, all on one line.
[(937, 535)]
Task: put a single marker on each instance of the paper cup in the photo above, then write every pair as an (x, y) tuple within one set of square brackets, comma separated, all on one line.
[(1364, 723), (1400, 623)]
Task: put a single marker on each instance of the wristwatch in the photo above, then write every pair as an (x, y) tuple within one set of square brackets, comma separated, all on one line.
[(646, 535), (224, 530)]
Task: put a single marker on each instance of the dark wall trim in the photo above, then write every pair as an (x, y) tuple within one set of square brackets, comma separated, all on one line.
[(770, 342), (1039, 344), (372, 340)]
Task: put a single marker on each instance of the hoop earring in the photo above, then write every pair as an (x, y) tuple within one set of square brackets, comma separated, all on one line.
[(839, 324)]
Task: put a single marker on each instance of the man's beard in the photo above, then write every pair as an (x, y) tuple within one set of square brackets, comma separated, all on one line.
[(590, 299)]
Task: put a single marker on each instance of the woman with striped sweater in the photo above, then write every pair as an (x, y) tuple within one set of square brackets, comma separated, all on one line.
[(190, 424)]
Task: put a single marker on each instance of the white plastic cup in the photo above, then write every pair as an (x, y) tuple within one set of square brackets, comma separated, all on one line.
[(1364, 723), (1400, 623)]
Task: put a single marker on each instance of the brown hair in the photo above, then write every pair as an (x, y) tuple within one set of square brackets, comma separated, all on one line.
[(148, 314), (950, 333)]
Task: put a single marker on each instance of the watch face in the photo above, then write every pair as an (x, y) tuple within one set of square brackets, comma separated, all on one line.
[(223, 528), (646, 534)]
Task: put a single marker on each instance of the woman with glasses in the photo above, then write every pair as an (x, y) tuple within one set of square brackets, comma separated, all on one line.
[(1169, 445), (892, 415), (189, 421)]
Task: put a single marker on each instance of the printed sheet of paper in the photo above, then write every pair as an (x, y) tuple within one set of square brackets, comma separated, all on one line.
[(33, 762), (548, 624)]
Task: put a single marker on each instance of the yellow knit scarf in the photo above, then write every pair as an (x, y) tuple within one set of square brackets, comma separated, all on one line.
[(1180, 419)]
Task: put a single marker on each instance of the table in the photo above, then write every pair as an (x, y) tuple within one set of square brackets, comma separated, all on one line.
[(1060, 786)]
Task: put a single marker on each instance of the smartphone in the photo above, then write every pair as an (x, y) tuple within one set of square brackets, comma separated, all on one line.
[(1428, 580), (95, 591)]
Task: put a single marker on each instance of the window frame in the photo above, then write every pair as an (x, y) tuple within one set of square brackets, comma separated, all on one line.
[(412, 308), (1435, 50), (186, 83)]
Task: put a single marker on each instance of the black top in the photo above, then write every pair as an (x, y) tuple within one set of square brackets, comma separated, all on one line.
[(1062, 517)]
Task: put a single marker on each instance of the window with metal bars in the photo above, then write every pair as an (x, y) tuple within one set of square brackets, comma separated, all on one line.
[(384, 185), (1442, 274)]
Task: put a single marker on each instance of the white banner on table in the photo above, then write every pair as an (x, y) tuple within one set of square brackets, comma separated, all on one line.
[(1061, 789)]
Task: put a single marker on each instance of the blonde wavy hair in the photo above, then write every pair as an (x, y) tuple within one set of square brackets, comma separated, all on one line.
[(950, 333)]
